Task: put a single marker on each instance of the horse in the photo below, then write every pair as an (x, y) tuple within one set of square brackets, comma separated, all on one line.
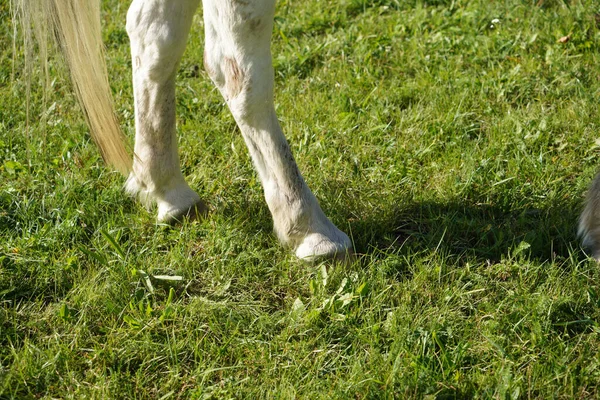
[(237, 57)]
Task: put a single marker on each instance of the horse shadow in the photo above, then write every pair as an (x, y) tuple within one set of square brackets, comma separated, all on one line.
[(481, 229)]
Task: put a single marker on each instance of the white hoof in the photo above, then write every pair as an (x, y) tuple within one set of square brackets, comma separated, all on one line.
[(316, 247), (178, 203), (172, 214), (174, 204)]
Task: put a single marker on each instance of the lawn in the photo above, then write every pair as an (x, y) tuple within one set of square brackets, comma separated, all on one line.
[(452, 140)]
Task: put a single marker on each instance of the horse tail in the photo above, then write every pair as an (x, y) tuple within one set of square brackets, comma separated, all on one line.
[(75, 27)]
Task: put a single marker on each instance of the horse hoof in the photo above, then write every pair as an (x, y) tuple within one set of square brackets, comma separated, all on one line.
[(317, 247)]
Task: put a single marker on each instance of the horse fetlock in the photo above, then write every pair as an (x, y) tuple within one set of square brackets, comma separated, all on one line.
[(174, 203), (136, 188)]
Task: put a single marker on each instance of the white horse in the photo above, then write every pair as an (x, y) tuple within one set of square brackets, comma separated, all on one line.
[(237, 57)]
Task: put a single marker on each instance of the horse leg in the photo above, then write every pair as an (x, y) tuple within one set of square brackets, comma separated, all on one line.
[(237, 57), (589, 222), (158, 30)]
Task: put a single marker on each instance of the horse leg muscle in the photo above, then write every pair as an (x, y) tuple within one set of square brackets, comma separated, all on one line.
[(237, 57), (158, 30)]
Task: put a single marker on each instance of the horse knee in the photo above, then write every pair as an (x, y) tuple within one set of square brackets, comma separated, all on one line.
[(244, 78), (158, 32), (227, 74), (237, 53)]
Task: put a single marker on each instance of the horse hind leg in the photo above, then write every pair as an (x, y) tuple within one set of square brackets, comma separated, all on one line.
[(237, 57), (158, 31), (589, 222)]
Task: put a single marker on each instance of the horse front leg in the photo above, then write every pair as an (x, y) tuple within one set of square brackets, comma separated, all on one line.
[(237, 57), (158, 30)]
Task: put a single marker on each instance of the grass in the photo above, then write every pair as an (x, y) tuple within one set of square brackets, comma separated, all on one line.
[(455, 150)]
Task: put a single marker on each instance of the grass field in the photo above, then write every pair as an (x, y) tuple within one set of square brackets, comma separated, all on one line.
[(453, 140)]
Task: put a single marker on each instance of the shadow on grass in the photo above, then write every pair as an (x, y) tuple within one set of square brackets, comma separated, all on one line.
[(470, 230), (479, 228)]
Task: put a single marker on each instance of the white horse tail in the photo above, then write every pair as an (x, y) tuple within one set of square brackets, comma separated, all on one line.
[(75, 26)]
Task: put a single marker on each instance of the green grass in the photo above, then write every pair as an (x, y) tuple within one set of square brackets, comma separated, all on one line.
[(455, 153)]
